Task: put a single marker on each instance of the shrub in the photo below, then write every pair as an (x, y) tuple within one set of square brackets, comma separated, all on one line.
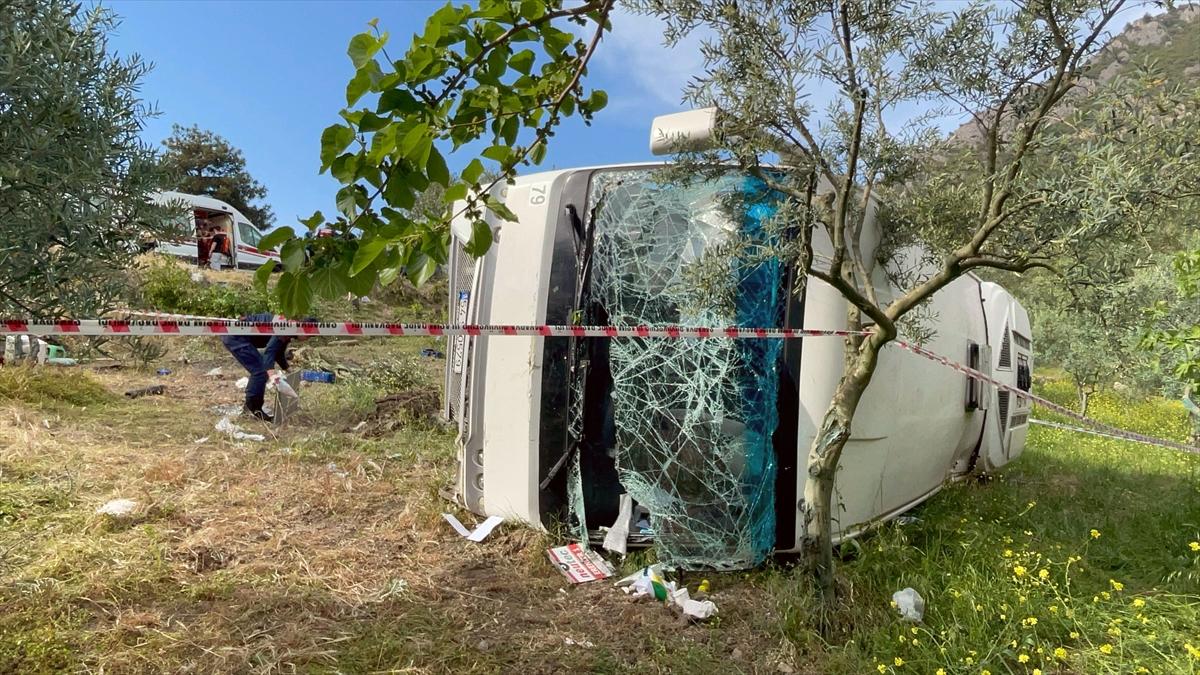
[(169, 287)]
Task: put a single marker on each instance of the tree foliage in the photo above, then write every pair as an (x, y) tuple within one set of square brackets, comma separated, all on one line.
[(74, 174), (1173, 335), (205, 163), (499, 76), (1034, 180)]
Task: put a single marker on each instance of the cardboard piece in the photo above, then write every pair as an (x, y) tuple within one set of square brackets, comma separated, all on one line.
[(578, 564)]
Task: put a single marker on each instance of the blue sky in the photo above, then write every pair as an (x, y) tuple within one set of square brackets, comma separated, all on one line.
[(271, 75)]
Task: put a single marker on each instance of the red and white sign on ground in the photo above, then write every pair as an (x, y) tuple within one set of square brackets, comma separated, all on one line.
[(578, 564)]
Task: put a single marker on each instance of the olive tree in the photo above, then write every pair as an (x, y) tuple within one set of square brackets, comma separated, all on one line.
[(74, 172), (1046, 173)]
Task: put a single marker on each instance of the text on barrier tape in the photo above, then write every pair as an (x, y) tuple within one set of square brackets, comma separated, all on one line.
[(218, 327)]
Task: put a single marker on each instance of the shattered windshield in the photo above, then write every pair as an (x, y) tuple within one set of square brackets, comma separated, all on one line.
[(688, 423)]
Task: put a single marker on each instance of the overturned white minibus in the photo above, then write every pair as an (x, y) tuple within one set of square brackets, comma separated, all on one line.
[(711, 437)]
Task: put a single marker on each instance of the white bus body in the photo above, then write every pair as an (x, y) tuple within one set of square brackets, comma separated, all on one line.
[(919, 424)]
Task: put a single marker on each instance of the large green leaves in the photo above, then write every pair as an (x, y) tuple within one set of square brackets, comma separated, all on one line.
[(500, 76)]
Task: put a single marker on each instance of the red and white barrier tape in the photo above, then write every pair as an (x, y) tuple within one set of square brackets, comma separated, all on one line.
[(1108, 429), (209, 326), (124, 327)]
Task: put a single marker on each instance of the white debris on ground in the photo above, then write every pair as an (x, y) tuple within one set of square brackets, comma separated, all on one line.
[(910, 604), (230, 410), (118, 508), (648, 582), (235, 432), (242, 383), (216, 372)]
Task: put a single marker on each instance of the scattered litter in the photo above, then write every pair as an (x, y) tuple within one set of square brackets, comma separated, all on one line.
[(907, 520), (283, 387), (322, 376), (696, 610), (228, 410), (578, 564), (156, 390), (241, 384), (579, 643), (164, 371), (234, 431), (479, 533), (202, 440), (215, 372), (704, 587), (118, 508), (336, 470), (618, 534), (431, 353), (648, 582), (360, 425), (910, 604)]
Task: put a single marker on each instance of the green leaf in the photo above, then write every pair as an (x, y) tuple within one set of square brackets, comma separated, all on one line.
[(347, 202), (455, 193), (522, 61), (262, 276), (345, 168), (413, 139), (481, 239), (294, 293), (389, 275), (366, 254), (538, 153), (500, 153), (498, 207), (363, 282), (358, 85), (420, 269), (334, 140), (362, 49), (436, 168), (314, 221), (329, 282), (292, 255), (597, 100), (397, 100), (473, 171), (275, 237)]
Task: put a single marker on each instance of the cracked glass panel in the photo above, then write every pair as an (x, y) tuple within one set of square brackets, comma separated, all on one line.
[(689, 422)]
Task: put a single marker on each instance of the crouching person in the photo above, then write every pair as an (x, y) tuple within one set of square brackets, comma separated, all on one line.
[(245, 349)]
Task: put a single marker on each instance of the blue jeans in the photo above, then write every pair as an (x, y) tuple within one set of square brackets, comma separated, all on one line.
[(250, 358)]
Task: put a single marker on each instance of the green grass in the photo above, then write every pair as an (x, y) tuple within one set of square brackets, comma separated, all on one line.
[(1077, 558), (259, 557)]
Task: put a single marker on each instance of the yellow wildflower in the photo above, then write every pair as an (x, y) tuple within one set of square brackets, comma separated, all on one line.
[(1105, 595), (1043, 574), (1114, 631), (1106, 648), (1059, 652), (1037, 671), (881, 668), (985, 672), (1074, 635), (1054, 609), (978, 608), (1019, 571), (1013, 644), (1008, 553), (1192, 651), (940, 671), (968, 660), (898, 661), (914, 630), (1138, 602), (1117, 586), (1195, 545), (1023, 658), (1142, 669), (1031, 621), (1095, 534)]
